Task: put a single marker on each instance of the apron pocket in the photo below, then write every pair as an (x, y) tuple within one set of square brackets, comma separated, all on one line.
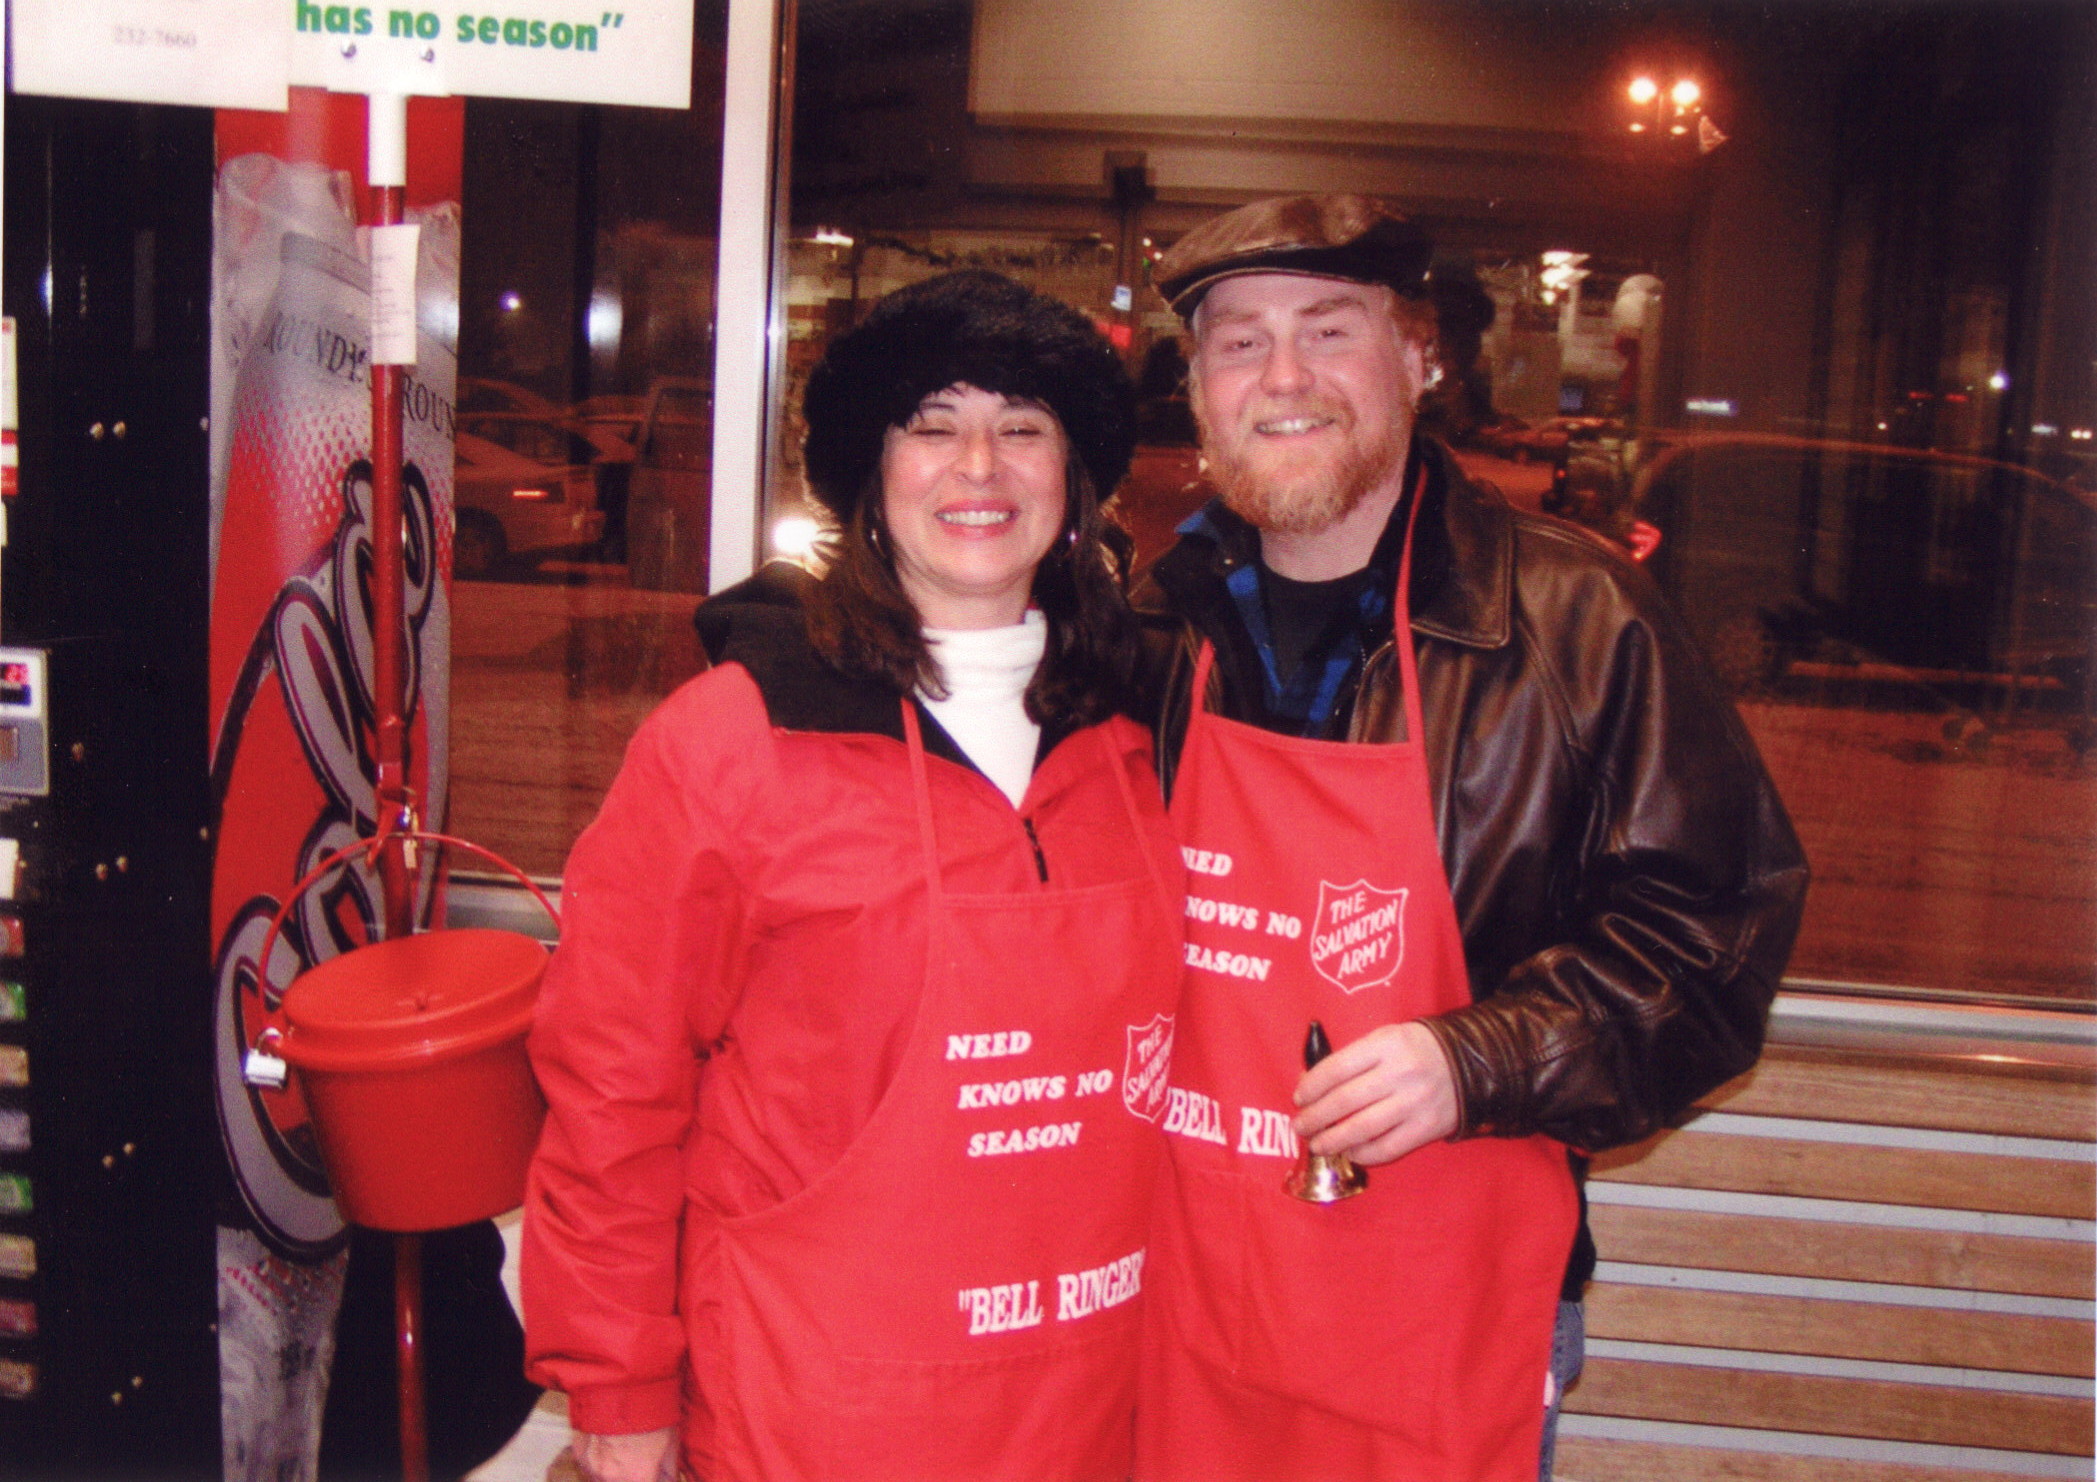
[(1051, 1414), (1198, 1253), (1340, 1304)]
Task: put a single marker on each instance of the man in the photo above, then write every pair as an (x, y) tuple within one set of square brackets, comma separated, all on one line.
[(1525, 868)]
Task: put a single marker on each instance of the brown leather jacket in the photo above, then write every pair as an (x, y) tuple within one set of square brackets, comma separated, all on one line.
[(1626, 880)]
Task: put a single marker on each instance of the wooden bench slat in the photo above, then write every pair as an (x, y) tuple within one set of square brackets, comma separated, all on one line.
[(1876, 1175), (1762, 1323), (1588, 1459), (1840, 1252), (1838, 1087), (1824, 1405)]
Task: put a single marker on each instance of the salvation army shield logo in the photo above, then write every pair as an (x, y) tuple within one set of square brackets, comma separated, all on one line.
[(1358, 935), (1146, 1071)]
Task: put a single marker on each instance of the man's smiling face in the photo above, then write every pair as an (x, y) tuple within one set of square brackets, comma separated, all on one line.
[(1305, 389)]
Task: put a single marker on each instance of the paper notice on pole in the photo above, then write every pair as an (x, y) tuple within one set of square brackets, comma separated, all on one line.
[(393, 294), (210, 53)]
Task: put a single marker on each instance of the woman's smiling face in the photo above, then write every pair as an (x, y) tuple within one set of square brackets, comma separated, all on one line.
[(973, 495)]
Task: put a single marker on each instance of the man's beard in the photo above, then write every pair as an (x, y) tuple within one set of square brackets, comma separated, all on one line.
[(1303, 492)]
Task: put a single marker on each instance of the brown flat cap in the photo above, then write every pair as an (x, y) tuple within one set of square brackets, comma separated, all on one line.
[(1356, 238)]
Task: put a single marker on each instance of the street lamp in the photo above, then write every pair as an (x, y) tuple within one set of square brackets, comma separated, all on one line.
[(1673, 111)]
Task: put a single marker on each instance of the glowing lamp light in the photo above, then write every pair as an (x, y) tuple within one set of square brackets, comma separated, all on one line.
[(512, 302), (825, 237), (605, 321), (1644, 90), (1685, 93), (2000, 381), (794, 536)]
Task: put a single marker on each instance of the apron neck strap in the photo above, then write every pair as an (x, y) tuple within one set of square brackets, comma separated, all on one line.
[(1120, 770), (928, 841), (1204, 666), (1401, 611), (921, 794)]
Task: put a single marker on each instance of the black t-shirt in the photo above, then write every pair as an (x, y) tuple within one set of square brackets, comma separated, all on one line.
[(1308, 619)]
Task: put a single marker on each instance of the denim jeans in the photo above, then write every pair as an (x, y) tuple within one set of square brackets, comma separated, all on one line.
[(1568, 1347)]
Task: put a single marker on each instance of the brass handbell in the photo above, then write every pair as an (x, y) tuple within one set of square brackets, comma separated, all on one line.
[(1323, 1178)]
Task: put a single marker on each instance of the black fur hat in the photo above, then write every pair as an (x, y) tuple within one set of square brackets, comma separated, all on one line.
[(971, 327)]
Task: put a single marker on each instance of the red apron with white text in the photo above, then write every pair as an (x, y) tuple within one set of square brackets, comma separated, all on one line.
[(1401, 1334), (955, 1298)]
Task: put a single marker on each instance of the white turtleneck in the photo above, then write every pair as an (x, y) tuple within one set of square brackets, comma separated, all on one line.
[(987, 671)]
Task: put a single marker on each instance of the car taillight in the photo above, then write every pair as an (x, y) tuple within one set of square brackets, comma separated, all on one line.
[(534, 492)]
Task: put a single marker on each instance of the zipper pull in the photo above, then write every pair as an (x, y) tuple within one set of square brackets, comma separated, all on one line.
[(1040, 859)]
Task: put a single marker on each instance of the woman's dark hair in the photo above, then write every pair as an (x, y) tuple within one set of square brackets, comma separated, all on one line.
[(983, 330)]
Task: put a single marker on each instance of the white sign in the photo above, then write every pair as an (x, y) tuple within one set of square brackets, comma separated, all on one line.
[(208, 53), (635, 52), (243, 53)]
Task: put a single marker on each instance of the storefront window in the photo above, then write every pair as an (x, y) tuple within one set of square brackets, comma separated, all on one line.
[(1814, 346), (586, 362)]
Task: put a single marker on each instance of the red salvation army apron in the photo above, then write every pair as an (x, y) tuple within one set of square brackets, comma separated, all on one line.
[(955, 1299), (1401, 1334)]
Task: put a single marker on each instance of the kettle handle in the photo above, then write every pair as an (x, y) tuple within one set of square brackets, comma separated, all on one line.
[(372, 846)]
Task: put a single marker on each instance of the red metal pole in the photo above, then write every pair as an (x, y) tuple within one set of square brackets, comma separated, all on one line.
[(407, 1325), (389, 628), (386, 127)]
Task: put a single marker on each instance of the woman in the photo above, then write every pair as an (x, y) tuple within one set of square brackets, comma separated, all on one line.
[(855, 1044)]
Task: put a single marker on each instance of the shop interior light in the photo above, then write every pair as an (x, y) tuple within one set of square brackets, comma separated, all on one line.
[(605, 322), (1686, 93), (1562, 270), (825, 237), (1644, 90), (794, 536)]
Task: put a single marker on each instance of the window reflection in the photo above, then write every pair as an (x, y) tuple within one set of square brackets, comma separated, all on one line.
[(1821, 359), (587, 304)]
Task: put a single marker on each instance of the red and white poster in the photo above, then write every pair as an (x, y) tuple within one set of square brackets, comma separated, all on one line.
[(293, 766)]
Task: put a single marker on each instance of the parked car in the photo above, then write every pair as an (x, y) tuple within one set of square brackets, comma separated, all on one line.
[(563, 440), (1514, 439), (617, 414), (510, 504), (1935, 567), (552, 438), (485, 394), (670, 499)]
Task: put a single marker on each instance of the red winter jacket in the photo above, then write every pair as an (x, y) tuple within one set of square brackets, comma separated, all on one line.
[(740, 962)]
